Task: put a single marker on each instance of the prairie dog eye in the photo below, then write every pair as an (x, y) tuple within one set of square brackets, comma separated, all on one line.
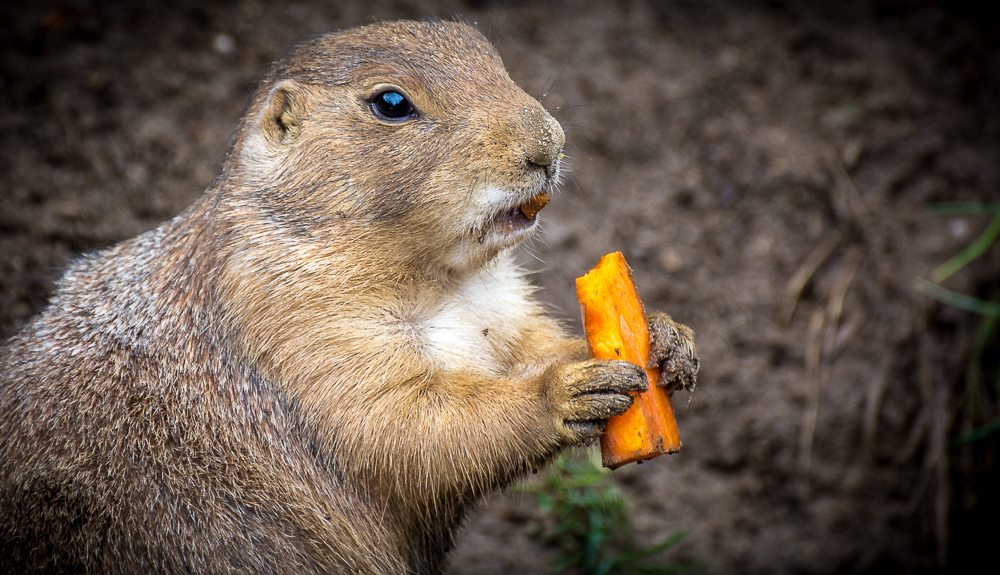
[(393, 106)]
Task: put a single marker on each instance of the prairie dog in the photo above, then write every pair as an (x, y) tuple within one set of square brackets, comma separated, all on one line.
[(328, 358)]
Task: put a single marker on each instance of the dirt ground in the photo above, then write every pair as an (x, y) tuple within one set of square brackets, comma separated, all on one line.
[(765, 167)]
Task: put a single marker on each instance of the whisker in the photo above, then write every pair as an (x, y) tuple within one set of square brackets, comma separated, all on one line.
[(548, 87)]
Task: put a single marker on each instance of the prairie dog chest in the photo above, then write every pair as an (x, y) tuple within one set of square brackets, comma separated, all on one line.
[(474, 325)]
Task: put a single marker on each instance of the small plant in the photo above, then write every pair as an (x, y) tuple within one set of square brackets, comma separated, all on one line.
[(585, 515), (981, 366)]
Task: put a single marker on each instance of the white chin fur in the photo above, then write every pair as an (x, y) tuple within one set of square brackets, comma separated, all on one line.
[(481, 240)]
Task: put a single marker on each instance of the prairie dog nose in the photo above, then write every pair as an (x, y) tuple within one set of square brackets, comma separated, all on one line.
[(545, 140)]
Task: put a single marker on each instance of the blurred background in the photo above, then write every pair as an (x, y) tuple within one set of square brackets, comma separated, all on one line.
[(779, 175)]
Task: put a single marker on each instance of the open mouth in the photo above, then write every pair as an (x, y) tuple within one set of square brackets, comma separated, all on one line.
[(521, 217)]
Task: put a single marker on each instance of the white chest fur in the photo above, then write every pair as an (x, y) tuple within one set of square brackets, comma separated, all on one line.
[(474, 324)]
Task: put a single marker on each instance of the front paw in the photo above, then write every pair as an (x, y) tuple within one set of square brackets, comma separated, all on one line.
[(671, 348), (586, 394)]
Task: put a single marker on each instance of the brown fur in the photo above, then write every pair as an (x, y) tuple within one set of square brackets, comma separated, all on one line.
[(320, 365)]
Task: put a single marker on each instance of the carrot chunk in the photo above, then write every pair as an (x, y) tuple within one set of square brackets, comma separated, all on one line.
[(531, 208), (615, 324)]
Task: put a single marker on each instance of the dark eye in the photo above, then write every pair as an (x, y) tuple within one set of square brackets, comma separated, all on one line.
[(391, 105)]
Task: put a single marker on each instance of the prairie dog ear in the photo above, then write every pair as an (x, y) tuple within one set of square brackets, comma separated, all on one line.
[(282, 120)]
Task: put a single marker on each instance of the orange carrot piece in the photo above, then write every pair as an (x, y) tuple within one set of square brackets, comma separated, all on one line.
[(615, 323)]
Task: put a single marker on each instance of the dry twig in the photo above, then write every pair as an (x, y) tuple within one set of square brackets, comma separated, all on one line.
[(820, 345), (801, 277)]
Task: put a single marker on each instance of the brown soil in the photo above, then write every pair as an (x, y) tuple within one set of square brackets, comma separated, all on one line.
[(728, 148)]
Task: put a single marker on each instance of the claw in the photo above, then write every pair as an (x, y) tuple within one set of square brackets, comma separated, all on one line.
[(672, 350)]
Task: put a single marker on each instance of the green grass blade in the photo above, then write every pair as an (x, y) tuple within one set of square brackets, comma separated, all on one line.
[(971, 252), (660, 547), (958, 300), (981, 433)]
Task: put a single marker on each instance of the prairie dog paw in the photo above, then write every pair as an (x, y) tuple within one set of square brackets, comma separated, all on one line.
[(671, 348), (587, 393)]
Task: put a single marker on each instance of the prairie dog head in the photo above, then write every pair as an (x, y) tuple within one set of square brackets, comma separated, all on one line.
[(408, 135)]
